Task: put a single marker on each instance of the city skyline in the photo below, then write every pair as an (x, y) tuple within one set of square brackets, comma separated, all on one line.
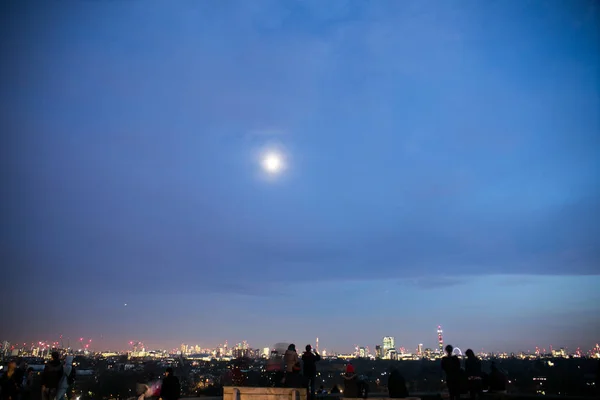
[(370, 350), (275, 171), (386, 342)]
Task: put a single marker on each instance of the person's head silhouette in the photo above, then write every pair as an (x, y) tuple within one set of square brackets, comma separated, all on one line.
[(449, 349)]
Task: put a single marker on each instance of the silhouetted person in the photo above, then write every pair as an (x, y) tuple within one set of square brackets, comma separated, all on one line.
[(290, 358), (22, 367), (63, 385), (10, 383), (473, 370), (350, 382), (53, 372), (294, 379), (497, 380), (27, 383), (170, 389), (335, 390), (309, 369), (397, 385), (451, 366)]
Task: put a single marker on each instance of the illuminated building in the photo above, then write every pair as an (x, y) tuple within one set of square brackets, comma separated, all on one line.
[(391, 354), (388, 343), (420, 349), (5, 348), (240, 351), (388, 346), (559, 353), (317, 345), (440, 339), (378, 353), (361, 352)]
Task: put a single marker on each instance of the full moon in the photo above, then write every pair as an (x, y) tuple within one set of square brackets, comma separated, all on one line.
[(272, 163)]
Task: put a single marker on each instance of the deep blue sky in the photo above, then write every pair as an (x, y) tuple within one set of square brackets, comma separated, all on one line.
[(442, 168)]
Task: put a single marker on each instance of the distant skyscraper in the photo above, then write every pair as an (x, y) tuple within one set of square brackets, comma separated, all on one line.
[(317, 345), (378, 352), (420, 350), (440, 339), (388, 342), (388, 346), (5, 348), (362, 352)]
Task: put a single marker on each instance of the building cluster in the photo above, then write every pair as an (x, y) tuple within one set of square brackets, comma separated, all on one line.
[(221, 352), (387, 350)]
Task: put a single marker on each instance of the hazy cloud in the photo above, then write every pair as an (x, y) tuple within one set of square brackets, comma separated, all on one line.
[(434, 282)]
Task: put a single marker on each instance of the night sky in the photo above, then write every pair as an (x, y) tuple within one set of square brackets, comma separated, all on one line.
[(441, 166)]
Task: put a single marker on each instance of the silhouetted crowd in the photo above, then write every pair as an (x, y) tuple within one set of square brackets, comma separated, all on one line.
[(470, 379), (307, 379), (459, 380), (58, 378), (298, 375)]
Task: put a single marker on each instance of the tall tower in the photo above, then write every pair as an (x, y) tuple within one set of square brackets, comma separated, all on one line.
[(440, 339), (317, 345)]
